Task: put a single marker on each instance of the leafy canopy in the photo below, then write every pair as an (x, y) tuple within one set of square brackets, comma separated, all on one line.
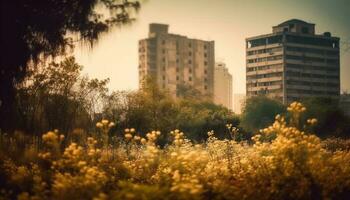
[(33, 29)]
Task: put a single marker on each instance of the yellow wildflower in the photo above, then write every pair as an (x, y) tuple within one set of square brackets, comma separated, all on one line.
[(128, 136), (105, 122), (99, 125)]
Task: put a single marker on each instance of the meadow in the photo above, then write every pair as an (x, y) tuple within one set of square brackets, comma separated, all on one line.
[(283, 161)]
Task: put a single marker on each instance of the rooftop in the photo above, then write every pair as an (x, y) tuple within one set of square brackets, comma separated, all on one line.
[(294, 21)]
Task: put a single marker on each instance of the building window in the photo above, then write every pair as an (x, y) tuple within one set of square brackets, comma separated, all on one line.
[(177, 60), (190, 53), (205, 71), (190, 78), (189, 45), (163, 42), (177, 69), (205, 55), (205, 87), (189, 61), (205, 46), (163, 68), (205, 79), (163, 59), (163, 51), (190, 70), (163, 78), (177, 78), (205, 63)]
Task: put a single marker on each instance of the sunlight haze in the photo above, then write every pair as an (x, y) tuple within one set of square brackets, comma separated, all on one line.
[(227, 22)]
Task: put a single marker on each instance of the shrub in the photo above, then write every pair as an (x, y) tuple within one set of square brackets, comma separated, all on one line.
[(293, 164)]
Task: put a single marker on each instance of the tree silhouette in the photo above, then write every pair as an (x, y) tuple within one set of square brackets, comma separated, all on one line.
[(34, 29)]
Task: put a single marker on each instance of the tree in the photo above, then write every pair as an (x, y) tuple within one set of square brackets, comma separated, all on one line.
[(188, 92), (331, 120), (259, 112), (151, 109), (35, 29), (55, 96), (196, 118), (154, 109)]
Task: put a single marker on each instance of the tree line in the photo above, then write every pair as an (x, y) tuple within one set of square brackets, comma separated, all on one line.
[(54, 95)]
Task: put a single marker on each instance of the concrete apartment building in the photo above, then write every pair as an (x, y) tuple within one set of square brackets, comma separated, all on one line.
[(222, 86), (293, 62), (176, 61)]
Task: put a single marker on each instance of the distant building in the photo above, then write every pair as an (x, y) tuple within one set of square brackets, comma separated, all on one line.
[(293, 62), (222, 86), (238, 103), (175, 61)]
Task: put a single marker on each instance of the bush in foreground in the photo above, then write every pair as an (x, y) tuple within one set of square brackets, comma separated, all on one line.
[(284, 162)]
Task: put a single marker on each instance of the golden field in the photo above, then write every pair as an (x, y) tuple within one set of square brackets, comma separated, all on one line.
[(283, 161)]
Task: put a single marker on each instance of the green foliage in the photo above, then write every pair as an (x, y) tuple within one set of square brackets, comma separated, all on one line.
[(331, 119), (185, 91), (295, 164), (260, 111), (196, 118), (56, 96), (154, 109)]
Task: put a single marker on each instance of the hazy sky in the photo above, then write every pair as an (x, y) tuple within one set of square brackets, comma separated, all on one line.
[(227, 22)]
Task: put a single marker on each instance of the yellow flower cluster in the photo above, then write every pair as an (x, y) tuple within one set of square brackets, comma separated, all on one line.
[(151, 137), (185, 183), (128, 133), (178, 137), (296, 107), (52, 140), (234, 131), (290, 165), (211, 133), (312, 121), (52, 137), (105, 124)]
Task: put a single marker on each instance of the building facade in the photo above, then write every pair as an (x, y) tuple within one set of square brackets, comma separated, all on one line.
[(293, 63), (176, 62), (238, 103), (222, 86)]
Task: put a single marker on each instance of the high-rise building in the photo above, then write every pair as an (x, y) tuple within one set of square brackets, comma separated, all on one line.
[(222, 86), (175, 61), (293, 62)]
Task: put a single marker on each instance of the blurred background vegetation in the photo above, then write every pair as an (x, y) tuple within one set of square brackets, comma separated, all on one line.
[(56, 96)]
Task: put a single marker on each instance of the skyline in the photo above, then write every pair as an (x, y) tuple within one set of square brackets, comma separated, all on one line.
[(228, 23)]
